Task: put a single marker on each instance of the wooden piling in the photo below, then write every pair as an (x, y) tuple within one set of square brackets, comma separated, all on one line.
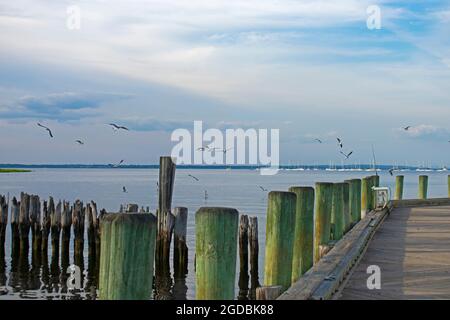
[(180, 254), (3, 222), (35, 223), (337, 212), (254, 256), (423, 187), (15, 237), (375, 183), (24, 221), (347, 212), (399, 187), (243, 258), (66, 224), (354, 200), (78, 218), (55, 226), (45, 228), (302, 259), (216, 244), (280, 229), (268, 292), (127, 256), (322, 216), (366, 196), (90, 227)]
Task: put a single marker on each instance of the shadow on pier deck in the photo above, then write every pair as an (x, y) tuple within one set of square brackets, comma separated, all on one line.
[(412, 249)]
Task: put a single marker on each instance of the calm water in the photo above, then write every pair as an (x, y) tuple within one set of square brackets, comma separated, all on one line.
[(230, 188)]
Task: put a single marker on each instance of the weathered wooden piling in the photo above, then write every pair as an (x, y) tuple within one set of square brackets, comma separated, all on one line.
[(322, 216), (337, 212), (3, 221), (399, 187), (302, 259), (35, 223), (366, 196), (24, 222), (280, 229), (354, 200), (55, 226), (216, 244), (66, 224), (347, 212), (268, 292), (165, 217), (254, 255), (90, 228), (423, 187), (127, 256), (375, 183), (46, 226), (180, 253), (15, 237), (243, 258), (78, 218)]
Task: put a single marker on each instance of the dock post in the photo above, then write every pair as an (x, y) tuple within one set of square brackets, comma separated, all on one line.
[(78, 218), (366, 195), (423, 187), (15, 238), (243, 258), (399, 187), (337, 211), (375, 183), (254, 255), (35, 223), (66, 223), (180, 254), (216, 245), (127, 256), (347, 212), (24, 222), (280, 229), (302, 259), (322, 216), (3, 222), (45, 231), (165, 218), (55, 227)]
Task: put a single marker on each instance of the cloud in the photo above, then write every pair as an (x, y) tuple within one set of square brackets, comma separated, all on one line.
[(426, 132), (59, 106), (152, 124)]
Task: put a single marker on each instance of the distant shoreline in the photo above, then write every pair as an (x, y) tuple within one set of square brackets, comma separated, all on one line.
[(13, 170), (363, 167)]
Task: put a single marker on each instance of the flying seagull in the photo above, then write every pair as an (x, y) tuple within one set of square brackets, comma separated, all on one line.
[(117, 127), (407, 128), (391, 171), (318, 140), (46, 128), (196, 179), (124, 189), (79, 142), (347, 155), (262, 188), (340, 142)]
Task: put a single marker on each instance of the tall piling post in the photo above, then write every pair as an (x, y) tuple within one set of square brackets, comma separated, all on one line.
[(15, 236), (366, 195), (165, 218), (302, 259), (423, 187), (354, 200), (347, 210), (127, 256), (3, 222), (180, 254), (78, 220), (55, 226), (35, 223), (280, 227), (24, 222), (338, 210), (254, 256), (66, 224), (45, 228), (399, 187), (216, 246), (322, 217), (243, 258)]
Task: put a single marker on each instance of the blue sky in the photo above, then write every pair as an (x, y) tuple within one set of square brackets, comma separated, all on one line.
[(309, 68)]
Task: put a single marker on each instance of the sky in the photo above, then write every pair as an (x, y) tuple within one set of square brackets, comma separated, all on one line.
[(310, 68)]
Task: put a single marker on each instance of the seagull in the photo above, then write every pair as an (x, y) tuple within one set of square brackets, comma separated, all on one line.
[(190, 175), (262, 188), (117, 127), (46, 128), (340, 142), (117, 165), (79, 142), (124, 189), (318, 140), (391, 171), (347, 155), (406, 128)]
